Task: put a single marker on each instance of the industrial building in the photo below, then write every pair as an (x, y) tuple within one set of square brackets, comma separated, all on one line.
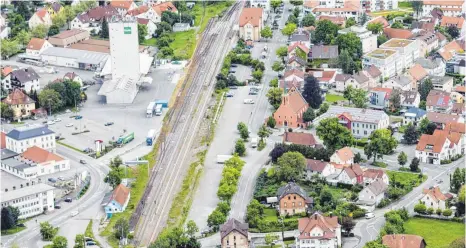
[(79, 59)]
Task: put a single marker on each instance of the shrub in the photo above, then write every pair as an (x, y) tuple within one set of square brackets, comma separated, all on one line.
[(447, 212), (271, 122), (383, 203), (438, 211), (430, 211), (420, 208), (358, 213)]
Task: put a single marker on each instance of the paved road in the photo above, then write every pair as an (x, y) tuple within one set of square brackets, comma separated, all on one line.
[(206, 63), (30, 237)]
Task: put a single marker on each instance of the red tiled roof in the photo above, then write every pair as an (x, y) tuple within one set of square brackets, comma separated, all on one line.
[(460, 88), (403, 241), (441, 117), (316, 165), (323, 75), (380, 19), (251, 15), (457, 127), (447, 52), (143, 21), (39, 155), (353, 170), (435, 193), (417, 72), (295, 72), (165, 6), (300, 46), (374, 173), (397, 33), (432, 142), (329, 226), (16, 97), (345, 153), (41, 13), (2, 140), (387, 91), (294, 101), (452, 21), (438, 98), (339, 20), (138, 11), (299, 138), (6, 70), (35, 44), (122, 4), (444, 3), (120, 194)]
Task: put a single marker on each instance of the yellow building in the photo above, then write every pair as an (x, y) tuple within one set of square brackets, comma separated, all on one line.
[(234, 234), (21, 104), (54, 9)]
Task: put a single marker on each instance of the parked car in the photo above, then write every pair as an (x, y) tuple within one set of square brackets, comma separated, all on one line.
[(233, 65), (52, 180), (82, 161), (248, 101), (68, 199), (88, 243), (78, 117), (108, 124), (69, 125), (233, 87), (230, 94), (57, 207), (61, 178), (88, 239), (370, 215), (74, 213), (57, 120), (50, 122)]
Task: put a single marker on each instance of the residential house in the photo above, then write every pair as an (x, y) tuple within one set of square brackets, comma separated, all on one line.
[(342, 156), (414, 116), (428, 42), (439, 146), (326, 78), (442, 83), (318, 231), (434, 198), (441, 119), (418, 73), (26, 79), (352, 174), (337, 20), (305, 139), (374, 75), (36, 46), (293, 200), (164, 6), (251, 23), (454, 127), (434, 67), (151, 27), (397, 33), (296, 62), (181, 27), (298, 49), (21, 138), (379, 98), (116, 201), (145, 12), (292, 78), (449, 51), (69, 37), (358, 80), (123, 6), (319, 167), (21, 104), (458, 22), (372, 175), (6, 77), (373, 193), (439, 101), (403, 240), (448, 8), (291, 110), (350, 9), (388, 61), (408, 49), (368, 40), (40, 17), (410, 99), (442, 40), (54, 9), (323, 52), (45, 161), (428, 25), (404, 83), (458, 109), (302, 36), (92, 19), (361, 122), (234, 234), (379, 19), (73, 77), (457, 65)]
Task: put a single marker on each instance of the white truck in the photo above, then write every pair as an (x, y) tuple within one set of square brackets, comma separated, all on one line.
[(158, 109), (150, 109), (254, 142), (222, 158)]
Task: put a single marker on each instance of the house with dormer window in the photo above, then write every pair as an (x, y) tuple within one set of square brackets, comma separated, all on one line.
[(251, 23)]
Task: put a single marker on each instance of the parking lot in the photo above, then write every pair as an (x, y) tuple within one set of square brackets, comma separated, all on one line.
[(242, 72)]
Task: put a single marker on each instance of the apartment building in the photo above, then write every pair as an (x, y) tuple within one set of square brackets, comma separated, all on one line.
[(389, 61), (22, 138), (449, 8), (407, 49), (368, 40), (251, 23)]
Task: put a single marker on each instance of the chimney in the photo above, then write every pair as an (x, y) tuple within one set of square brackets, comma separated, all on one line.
[(314, 158), (315, 216)]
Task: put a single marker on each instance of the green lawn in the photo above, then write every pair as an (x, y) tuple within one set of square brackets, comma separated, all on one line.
[(150, 42), (391, 12), (405, 5), (211, 10), (337, 193), (437, 233), (12, 230), (406, 178), (270, 214), (184, 43), (334, 98)]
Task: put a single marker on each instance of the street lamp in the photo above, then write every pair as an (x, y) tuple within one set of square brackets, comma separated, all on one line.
[(283, 227)]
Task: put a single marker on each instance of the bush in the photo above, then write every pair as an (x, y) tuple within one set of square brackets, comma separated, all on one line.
[(445, 161), (447, 212), (358, 213), (379, 164), (430, 211), (271, 122), (383, 203), (438, 211), (240, 148), (420, 208)]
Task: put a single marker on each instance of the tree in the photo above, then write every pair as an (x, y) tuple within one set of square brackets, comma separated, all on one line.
[(417, 7), (296, 2), (420, 208), (53, 30), (381, 39), (375, 243), (422, 105), (425, 88), (289, 29), (50, 99), (402, 158), (348, 93), (375, 28), (292, 19), (166, 52), (215, 219), (423, 125), (273, 82), (359, 98), (308, 20), (346, 63), (59, 20), (347, 224), (40, 31), (23, 37), (458, 179), (275, 4), (6, 111), (72, 93), (263, 132), (282, 52), (79, 241), (414, 166), (458, 243), (270, 238), (8, 48), (290, 166), (453, 31), (333, 134), (431, 127), (113, 178), (397, 25), (24, 9), (447, 212), (121, 228), (278, 66), (257, 74), (363, 19), (411, 134), (7, 220), (312, 93), (381, 142), (69, 13), (271, 122), (192, 229), (59, 242), (358, 158), (266, 33), (309, 115), (243, 130), (240, 148), (142, 33), (254, 212), (104, 31), (323, 108), (15, 213), (47, 231), (350, 22), (325, 31)]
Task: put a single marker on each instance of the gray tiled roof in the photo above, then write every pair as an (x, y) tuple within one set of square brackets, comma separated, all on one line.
[(27, 132), (6, 154), (233, 225), (293, 188), (402, 80), (22, 192), (324, 52), (377, 187), (427, 63), (24, 75), (357, 114), (81, 56), (440, 80)]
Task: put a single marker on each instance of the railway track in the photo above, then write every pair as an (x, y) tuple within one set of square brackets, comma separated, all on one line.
[(184, 121)]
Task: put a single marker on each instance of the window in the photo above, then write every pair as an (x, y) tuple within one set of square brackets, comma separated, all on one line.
[(285, 205), (293, 204), (294, 197)]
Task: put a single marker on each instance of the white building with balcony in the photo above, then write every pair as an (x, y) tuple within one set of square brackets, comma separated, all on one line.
[(389, 61), (407, 49), (368, 40)]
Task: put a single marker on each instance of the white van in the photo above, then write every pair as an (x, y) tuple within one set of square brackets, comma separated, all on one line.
[(248, 101)]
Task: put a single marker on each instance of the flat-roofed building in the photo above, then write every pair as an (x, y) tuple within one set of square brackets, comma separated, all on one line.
[(68, 37), (388, 61), (407, 49), (368, 39), (79, 59)]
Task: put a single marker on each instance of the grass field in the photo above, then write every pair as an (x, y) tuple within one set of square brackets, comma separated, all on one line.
[(334, 98), (12, 230), (211, 10), (437, 233), (406, 178), (391, 12), (405, 5)]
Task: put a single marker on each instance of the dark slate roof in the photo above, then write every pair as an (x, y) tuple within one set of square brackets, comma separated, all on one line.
[(302, 36), (298, 60), (417, 111), (24, 75), (233, 225), (292, 188), (324, 52), (342, 77), (6, 154), (27, 132)]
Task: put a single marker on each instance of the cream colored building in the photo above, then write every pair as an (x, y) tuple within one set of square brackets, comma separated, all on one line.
[(234, 234), (251, 23), (21, 104), (40, 17)]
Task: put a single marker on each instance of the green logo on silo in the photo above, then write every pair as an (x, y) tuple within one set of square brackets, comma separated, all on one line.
[(127, 30)]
